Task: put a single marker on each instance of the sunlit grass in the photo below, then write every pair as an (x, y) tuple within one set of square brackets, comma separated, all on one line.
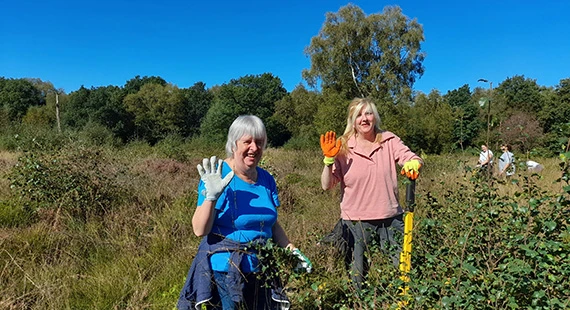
[(136, 256)]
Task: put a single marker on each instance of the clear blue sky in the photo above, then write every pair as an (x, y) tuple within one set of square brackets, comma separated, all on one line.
[(100, 43)]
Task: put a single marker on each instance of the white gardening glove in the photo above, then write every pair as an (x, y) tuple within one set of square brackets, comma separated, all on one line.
[(304, 262), (212, 177)]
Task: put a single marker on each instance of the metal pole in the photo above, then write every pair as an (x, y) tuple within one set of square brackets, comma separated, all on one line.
[(488, 119), (488, 114)]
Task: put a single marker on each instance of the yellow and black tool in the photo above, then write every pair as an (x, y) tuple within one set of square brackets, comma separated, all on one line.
[(406, 254)]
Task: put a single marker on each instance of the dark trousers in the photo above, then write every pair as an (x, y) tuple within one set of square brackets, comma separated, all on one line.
[(256, 295), (387, 233)]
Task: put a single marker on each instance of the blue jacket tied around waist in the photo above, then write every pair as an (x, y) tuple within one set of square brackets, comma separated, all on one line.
[(200, 281)]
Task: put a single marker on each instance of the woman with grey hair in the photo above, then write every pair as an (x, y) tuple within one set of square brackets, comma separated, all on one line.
[(236, 214)]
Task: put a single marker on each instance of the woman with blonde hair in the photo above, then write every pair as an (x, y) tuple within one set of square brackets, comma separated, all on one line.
[(364, 162)]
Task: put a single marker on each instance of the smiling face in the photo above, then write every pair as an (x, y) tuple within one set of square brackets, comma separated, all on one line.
[(364, 123), (247, 152)]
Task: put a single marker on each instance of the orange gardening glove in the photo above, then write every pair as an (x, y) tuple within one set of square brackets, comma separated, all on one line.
[(411, 169), (329, 144)]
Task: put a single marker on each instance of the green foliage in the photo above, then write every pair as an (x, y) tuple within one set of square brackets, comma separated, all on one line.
[(96, 134), (556, 110), (16, 96), (39, 116), (32, 137), (135, 84), (302, 143), (431, 128), (520, 93), (158, 111), (376, 56), (69, 182), (509, 253), (247, 95), (467, 124), (14, 214), (102, 105), (171, 147), (196, 104), (296, 111), (331, 113)]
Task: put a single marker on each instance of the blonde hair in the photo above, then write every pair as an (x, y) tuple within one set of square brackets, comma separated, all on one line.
[(354, 108)]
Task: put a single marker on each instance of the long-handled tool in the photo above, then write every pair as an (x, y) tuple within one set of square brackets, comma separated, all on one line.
[(406, 254)]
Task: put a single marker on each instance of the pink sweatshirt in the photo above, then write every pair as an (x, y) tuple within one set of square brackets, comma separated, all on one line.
[(369, 184)]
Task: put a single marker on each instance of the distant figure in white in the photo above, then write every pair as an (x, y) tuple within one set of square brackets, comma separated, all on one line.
[(485, 159), (533, 166), (506, 162)]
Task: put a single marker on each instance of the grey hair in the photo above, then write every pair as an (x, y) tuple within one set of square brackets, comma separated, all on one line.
[(243, 125)]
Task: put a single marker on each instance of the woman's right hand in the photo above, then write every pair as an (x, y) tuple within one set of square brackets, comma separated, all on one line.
[(329, 144), (211, 175)]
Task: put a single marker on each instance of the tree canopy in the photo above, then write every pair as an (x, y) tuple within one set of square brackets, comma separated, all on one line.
[(377, 56)]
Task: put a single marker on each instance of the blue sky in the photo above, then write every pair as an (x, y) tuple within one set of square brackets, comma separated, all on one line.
[(100, 43)]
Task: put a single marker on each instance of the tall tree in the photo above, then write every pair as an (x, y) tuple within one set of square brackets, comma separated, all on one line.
[(555, 116), (197, 102), (296, 111), (521, 130), (135, 84), (556, 110), (467, 123), (518, 94), (376, 56), (54, 98), (158, 111), (251, 94), (430, 124), (16, 96), (102, 105)]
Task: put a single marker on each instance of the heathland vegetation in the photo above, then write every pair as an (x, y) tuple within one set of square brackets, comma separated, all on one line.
[(97, 186)]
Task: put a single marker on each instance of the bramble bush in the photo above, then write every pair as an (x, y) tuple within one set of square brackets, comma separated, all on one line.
[(71, 181)]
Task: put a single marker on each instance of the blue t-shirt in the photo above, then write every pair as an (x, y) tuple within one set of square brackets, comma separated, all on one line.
[(244, 212)]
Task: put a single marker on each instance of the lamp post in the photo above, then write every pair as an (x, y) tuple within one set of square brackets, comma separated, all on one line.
[(488, 107)]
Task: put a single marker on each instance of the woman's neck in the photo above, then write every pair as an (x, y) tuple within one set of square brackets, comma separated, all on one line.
[(369, 137), (248, 174)]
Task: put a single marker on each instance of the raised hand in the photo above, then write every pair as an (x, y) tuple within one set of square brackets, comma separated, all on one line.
[(211, 175), (329, 144)]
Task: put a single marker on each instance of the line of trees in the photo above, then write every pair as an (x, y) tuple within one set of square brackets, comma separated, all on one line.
[(354, 54)]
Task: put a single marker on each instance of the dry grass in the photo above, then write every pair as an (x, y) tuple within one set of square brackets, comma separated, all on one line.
[(7, 161), (138, 255)]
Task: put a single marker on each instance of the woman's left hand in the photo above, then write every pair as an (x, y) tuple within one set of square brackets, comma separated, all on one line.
[(304, 262), (412, 169)]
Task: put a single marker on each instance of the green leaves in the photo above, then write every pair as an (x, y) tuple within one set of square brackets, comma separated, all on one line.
[(376, 56)]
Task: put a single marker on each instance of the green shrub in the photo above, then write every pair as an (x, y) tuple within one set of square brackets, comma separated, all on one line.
[(32, 138), (74, 181), (14, 214), (98, 135), (302, 143)]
